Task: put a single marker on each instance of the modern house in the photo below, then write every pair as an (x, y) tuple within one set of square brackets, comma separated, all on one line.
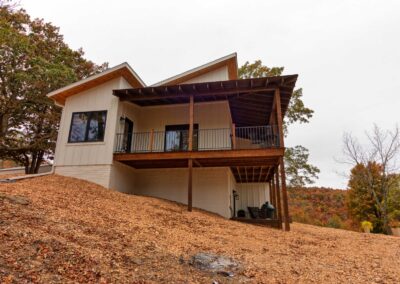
[(203, 138)]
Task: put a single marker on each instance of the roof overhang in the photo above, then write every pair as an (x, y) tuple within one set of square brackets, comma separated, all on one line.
[(121, 70), (250, 100), (230, 61)]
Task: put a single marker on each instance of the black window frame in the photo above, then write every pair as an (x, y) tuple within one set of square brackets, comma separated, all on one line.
[(89, 115)]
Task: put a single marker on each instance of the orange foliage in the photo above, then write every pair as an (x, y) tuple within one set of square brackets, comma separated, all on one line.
[(320, 206)]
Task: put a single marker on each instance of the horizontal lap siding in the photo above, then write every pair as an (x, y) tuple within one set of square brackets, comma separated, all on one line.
[(99, 174)]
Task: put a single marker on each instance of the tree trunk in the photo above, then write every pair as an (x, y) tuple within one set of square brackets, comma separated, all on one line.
[(26, 164), (39, 161), (33, 162)]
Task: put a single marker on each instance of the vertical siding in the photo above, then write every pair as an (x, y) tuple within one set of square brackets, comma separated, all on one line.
[(220, 74), (251, 195), (93, 153), (209, 187)]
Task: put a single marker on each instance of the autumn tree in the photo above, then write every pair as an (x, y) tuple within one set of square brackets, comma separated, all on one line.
[(360, 200), (298, 169), (34, 60), (374, 174)]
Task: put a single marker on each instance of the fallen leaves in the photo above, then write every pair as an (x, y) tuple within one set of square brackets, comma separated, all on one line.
[(76, 231)]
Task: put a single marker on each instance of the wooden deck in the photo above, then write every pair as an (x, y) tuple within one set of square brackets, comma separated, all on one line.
[(274, 223)]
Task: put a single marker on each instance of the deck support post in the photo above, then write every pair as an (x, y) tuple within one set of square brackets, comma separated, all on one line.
[(190, 194), (272, 183), (285, 204), (191, 111), (190, 148), (278, 197), (272, 194)]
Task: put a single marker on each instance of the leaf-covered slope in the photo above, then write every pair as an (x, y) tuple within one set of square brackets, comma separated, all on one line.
[(75, 231)]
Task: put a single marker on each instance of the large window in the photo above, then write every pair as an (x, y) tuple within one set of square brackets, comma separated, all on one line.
[(87, 126), (177, 137)]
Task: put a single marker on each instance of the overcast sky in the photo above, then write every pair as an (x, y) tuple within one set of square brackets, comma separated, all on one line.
[(347, 53)]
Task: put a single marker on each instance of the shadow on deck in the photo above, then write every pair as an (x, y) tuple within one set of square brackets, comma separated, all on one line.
[(273, 223)]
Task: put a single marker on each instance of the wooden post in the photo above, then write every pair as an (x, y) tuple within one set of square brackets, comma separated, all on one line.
[(278, 197), (281, 162), (273, 202), (190, 148), (190, 166), (273, 196), (191, 110), (270, 193), (151, 140), (233, 136)]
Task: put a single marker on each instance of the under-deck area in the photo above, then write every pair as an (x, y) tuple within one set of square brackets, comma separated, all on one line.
[(250, 143)]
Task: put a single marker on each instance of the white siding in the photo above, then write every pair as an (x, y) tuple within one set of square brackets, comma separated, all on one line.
[(251, 195), (209, 187), (93, 153), (122, 178), (220, 74), (99, 174)]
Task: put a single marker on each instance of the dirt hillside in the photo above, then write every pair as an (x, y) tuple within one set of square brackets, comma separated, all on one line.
[(61, 230)]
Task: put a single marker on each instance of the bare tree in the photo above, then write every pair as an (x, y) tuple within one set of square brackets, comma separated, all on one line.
[(383, 149)]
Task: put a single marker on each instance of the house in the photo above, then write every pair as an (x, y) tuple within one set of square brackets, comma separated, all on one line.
[(203, 138)]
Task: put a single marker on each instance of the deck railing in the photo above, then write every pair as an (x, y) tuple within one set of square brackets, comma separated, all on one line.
[(253, 137)]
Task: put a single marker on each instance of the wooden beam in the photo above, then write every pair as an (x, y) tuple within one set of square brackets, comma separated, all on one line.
[(273, 187), (278, 196), (281, 163), (190, 194), (191, 111), (197, 163), (272, 119), (240, 177), (135, 95), (279, 117), (259, 176), (272, 197), (223, 154), (284, 196)]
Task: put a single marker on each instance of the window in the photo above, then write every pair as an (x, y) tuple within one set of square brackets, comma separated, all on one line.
[(177, 137), (87, 126)]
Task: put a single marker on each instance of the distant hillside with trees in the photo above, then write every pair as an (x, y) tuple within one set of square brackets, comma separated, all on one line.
[(320, 206)]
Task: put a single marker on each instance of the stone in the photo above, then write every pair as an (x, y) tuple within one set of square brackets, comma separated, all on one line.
[(16, 199), (215, 263)]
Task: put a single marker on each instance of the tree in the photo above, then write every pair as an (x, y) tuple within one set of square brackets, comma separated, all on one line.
[(360, 201), (383, 151), (34, 60), (299, 171)]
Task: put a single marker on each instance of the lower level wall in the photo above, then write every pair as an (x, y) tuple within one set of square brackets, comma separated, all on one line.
[(122, 178), (210, 187), (251, 195), (99, 174)]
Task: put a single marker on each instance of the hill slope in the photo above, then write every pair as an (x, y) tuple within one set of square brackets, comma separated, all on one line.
[(320, 206), (75, 231)]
